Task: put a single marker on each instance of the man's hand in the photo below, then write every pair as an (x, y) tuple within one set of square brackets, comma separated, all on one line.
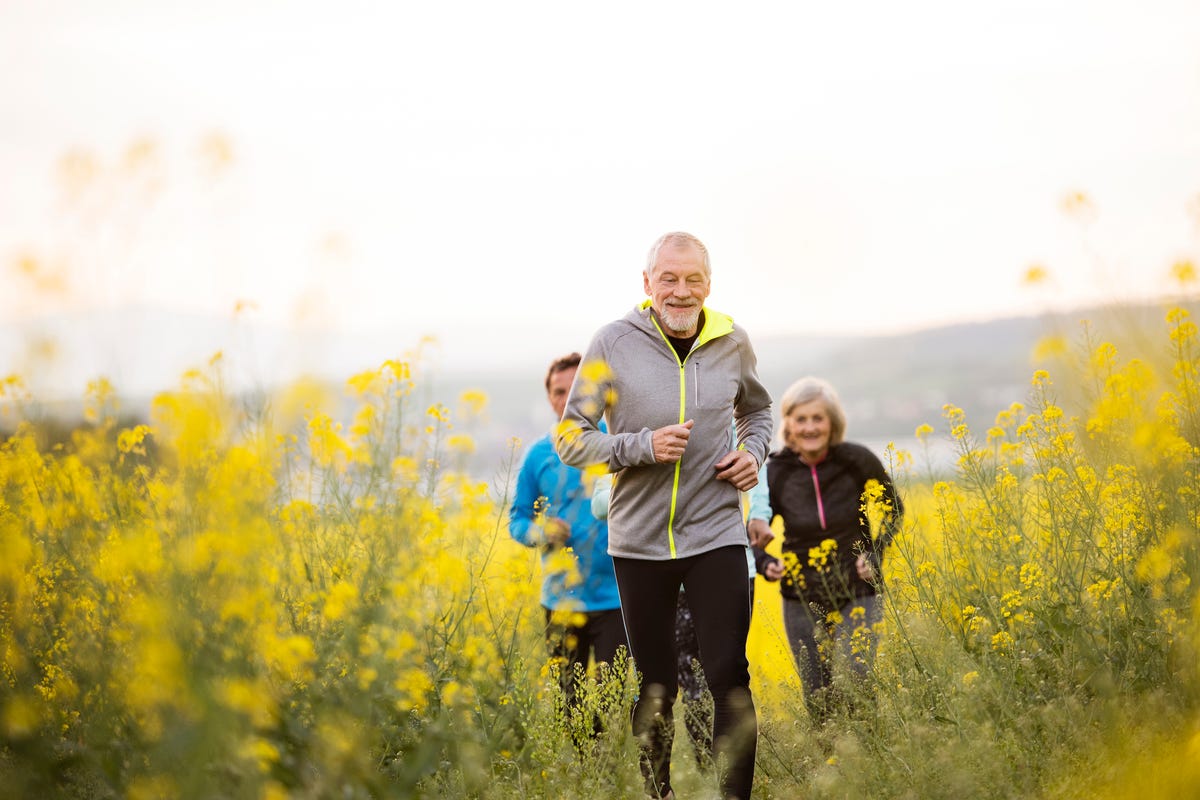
[(760, 532), (670, 442), (557, 531), (739, 468)]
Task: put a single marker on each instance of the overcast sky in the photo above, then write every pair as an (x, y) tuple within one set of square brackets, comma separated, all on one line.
[(464, 166)]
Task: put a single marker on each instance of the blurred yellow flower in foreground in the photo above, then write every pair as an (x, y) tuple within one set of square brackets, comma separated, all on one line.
[(1184, 272), (1035, 275)]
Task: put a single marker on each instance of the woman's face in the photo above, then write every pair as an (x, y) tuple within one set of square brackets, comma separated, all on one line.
[(806, 430)]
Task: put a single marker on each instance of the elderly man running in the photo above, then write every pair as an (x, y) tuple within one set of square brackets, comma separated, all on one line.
[(668, 378)]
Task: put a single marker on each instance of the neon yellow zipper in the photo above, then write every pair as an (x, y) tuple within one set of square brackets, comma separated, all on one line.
[(682, 419), (715, 325)]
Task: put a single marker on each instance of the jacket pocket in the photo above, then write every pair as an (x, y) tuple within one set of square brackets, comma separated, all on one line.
[(707, 386)]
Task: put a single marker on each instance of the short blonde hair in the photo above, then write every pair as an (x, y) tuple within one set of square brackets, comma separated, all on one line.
[(677, 239), (808, 389)]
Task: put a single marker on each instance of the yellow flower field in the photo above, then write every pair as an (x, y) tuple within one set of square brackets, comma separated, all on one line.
[(225, 601)]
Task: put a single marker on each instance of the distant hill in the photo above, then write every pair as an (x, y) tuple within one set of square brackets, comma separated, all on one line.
[(889, 384)]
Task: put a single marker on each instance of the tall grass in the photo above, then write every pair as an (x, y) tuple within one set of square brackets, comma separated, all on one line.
[(273, 603)]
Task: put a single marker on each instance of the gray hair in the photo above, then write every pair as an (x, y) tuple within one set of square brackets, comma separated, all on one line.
[(808, 389), (678, 239)]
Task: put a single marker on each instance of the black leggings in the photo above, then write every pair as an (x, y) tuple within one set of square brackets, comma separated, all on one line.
[(719, 599), (697, 713)]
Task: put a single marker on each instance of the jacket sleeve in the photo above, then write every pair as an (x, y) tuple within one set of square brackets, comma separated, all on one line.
[(760, 498), (527, 500), (600, 493), (762, 559), (752, 409), (580, 439)]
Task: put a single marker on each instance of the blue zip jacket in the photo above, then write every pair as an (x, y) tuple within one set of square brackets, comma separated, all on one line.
[(579, 577)]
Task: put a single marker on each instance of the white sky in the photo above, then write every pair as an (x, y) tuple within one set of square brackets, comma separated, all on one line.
[(854, 167)]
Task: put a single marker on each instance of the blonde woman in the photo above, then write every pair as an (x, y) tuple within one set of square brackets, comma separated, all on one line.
[(815, 480)]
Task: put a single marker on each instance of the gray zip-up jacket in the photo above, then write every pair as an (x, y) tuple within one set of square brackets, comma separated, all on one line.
[(632, 375)]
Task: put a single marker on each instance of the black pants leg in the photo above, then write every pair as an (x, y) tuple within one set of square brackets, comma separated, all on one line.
[(599, 636), (718, 595), (606, 634), (649, 591), (697, 708)]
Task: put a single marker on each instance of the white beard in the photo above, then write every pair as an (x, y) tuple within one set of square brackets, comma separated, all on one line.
[(683, 320)]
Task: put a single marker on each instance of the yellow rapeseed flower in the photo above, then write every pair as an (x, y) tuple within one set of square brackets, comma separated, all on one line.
[(289, 656), (1183, 272), (1049, 348), (100, 401), (328, 448), (263, 753), (364, 422), (461, 443), (1031, 576), (1010, 605), (365, 383), (595, 371), (20, 717), (250, 697), (1035, 274), (473, 402), (152, 787), (365, 677), (1003, 642), (820, 556), (132, 440), (339, 600), (414, 686)]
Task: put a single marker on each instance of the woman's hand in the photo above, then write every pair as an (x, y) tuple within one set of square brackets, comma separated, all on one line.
[(866, 570), (773, 570), (760, 532)]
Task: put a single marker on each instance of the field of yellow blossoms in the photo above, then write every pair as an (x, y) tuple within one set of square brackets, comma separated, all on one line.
[(279, 600)]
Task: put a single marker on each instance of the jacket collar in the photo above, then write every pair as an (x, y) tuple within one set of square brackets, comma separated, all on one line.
[(716, 324)]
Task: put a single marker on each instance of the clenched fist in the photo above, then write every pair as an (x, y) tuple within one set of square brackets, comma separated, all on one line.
[(670, 442), (739, 468)]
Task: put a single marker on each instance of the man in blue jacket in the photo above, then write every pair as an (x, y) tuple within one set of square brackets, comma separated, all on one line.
[(552, 510)]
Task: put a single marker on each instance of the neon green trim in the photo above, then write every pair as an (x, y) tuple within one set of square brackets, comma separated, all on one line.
[(715, 325), (671, 518), (682, 419)]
